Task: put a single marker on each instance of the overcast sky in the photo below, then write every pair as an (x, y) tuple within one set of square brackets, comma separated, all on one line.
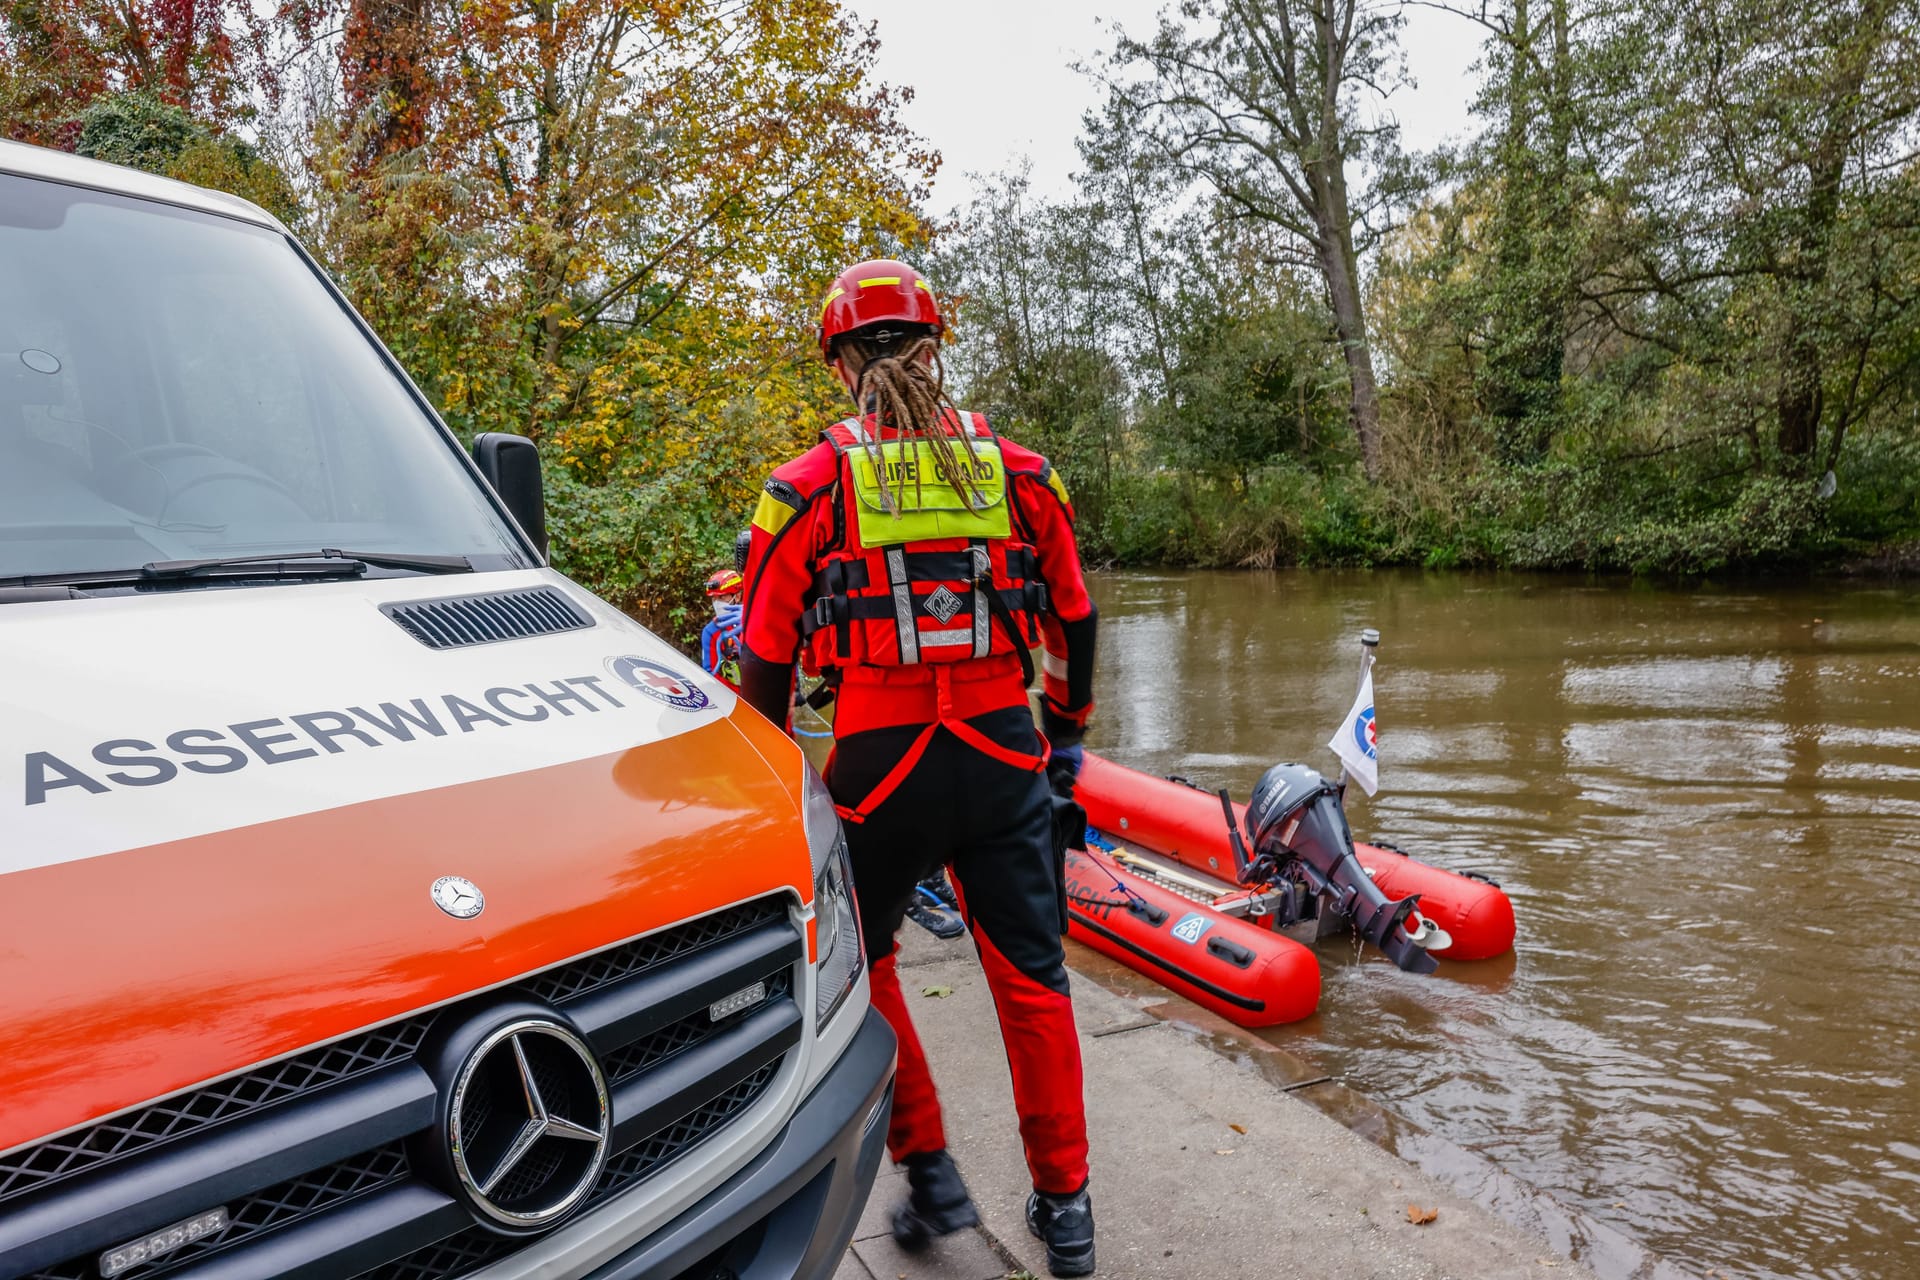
[(994, 80)]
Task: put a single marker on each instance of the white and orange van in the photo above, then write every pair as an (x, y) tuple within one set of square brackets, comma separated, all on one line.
[(374, 901)]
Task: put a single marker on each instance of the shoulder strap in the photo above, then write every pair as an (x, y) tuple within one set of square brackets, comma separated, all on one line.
[(975, 424), (845, 434)]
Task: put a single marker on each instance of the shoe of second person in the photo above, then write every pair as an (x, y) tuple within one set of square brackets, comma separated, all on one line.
[(1065, 1225), (937, 885), (937, 1202), (933, 920)]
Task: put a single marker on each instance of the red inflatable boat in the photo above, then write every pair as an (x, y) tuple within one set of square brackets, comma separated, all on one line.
[(1185, 825), (1248, 974)]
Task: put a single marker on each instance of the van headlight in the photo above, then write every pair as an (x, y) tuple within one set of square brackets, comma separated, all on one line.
[(839, 955)]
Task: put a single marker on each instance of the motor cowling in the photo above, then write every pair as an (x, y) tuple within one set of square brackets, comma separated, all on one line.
[(1299, 826)]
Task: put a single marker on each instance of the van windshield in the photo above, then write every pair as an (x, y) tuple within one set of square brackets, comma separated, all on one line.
[(176, 384)]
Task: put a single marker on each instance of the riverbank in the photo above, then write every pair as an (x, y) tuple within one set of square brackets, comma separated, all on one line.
[(1205, 1164), (1583, 517)]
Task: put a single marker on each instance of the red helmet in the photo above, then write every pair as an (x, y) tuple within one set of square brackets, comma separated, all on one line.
[(725, 582), (870, 292)]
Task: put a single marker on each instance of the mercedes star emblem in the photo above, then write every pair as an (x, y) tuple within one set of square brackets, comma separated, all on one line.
[(459, 897), (528, 1123)]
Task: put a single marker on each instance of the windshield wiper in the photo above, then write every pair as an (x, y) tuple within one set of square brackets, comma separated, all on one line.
[(325, 563), (299, 563)]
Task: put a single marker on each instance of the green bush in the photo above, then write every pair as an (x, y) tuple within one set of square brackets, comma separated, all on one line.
[(1651, 520), (142, 132), (1878, 495), (137, 130), (648, 548)]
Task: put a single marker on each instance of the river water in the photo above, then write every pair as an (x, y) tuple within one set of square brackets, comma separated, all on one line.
[(1705, 805)]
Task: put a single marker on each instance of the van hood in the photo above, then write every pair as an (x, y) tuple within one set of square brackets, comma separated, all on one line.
[(224, 811)]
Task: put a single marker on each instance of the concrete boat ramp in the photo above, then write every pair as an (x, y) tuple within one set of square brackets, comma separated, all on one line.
[(1205, 1163)]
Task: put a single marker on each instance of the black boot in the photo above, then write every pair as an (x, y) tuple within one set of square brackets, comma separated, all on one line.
[(1065, 1223), (937, 1202)]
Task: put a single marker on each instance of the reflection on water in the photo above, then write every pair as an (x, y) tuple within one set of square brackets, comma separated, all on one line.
[(1706, 807)]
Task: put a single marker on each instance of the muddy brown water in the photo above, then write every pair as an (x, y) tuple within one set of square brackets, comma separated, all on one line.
[(1705, 805)]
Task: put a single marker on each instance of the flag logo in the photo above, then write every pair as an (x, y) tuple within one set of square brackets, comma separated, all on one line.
[(1357, 742), (1366, 735)]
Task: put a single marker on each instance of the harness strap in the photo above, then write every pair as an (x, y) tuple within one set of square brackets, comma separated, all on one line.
[(891, 783), (1005, 755), (966, 733)]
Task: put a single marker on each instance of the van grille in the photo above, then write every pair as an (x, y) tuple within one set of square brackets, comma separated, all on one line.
[(350, 1058), (278, 1206), (616, 964), (475, 1247), (456, 621), (188, 1113), (632, 1003)]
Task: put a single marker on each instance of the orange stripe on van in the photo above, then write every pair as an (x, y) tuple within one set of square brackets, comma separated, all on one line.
[(132, 976)]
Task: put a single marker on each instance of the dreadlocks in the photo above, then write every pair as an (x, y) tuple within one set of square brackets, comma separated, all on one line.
[(902, 382)]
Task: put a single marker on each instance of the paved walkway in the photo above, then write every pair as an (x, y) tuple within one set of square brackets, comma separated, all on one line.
[(1202, 1164)]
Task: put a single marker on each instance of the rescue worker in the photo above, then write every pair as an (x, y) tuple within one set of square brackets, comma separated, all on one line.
[(720, 638), (913, 557)]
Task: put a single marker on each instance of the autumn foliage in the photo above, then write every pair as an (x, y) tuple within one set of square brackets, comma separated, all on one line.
[(601, 223)]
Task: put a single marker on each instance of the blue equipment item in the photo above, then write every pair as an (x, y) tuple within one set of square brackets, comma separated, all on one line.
[(720, 644)]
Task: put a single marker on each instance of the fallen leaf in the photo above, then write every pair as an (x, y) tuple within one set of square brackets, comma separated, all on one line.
[(1619, 1204), (1238, 1128), (1223, 1151), (1421, 1217), (938, 993)]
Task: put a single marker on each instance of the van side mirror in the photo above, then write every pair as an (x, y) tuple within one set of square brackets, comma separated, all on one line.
[(511, 465)]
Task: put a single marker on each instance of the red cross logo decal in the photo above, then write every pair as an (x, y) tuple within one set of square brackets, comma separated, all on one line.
[(663, 682)]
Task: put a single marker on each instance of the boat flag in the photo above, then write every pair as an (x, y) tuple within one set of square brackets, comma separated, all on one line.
[(1356, 742)]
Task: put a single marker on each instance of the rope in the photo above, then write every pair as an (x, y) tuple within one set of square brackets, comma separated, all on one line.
[(1129, 899)]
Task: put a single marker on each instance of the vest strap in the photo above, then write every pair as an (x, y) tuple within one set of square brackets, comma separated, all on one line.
[(982, 577), (903, 605), (845, 612)]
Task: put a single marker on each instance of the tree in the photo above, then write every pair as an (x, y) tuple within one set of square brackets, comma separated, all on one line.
[(1034, 328), (387, 68), (606, 224), (1771, 207), (1262, 103), (1538, 189), (57, 56), (1257, 374)]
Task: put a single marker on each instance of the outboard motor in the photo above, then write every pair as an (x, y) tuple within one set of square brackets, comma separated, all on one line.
[(1300, 836)]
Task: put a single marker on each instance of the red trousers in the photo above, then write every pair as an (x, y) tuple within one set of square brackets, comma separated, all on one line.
[(991, 824)]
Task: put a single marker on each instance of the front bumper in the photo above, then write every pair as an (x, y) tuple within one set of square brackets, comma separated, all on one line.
[(790, 1213)]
